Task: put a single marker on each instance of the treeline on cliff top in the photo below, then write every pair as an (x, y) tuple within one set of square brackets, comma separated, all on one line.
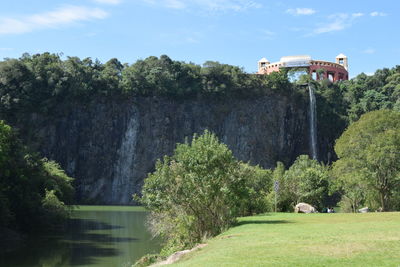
[(40, 82)]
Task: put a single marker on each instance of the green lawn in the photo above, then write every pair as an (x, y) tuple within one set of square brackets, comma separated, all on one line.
[(284, 239)]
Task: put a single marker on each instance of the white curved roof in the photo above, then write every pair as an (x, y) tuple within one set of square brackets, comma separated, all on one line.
[(296, 58), (263, 60), (341, 56)]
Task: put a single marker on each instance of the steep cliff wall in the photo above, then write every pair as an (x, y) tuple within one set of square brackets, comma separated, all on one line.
[(109, 146)]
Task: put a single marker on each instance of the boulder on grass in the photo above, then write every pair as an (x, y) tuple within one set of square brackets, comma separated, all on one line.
[(364, 210), (304, 208)]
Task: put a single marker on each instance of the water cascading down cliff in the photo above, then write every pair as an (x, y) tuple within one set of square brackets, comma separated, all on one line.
[(313, 123)]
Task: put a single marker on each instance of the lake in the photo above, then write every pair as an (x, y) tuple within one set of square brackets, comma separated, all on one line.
[(96, 236)]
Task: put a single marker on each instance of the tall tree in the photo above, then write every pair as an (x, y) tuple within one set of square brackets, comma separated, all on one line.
[(369, 155)]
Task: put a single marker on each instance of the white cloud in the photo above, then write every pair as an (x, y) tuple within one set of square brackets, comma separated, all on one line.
[(369, 51), (181, 37), (337, 22), (376, 14), (300, 11), (225, 5), (191, 40), (208, 5), (175, 4), (267, 34), (108, 2), (356, 15), (59, 17)]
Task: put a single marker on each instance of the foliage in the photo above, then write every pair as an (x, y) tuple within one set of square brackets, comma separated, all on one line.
[(341, 103), (367, 93), (368, 169), (196, 193), (306, 181), (58, 181), (331, 112), (259, 186), (55, 210), (38, 83), (283, 195), (30, 188)]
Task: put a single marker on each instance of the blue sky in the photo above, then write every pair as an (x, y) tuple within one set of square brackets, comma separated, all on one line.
[(237, 32)]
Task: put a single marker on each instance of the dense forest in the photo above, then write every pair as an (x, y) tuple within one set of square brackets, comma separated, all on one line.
[(39, 82)]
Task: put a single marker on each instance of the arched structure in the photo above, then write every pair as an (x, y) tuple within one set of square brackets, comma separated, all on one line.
[(318, 69)]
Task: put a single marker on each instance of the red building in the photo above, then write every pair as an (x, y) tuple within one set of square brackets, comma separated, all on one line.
[(318, 69)]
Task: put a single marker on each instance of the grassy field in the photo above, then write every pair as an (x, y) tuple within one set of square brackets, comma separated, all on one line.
[(283, 239)]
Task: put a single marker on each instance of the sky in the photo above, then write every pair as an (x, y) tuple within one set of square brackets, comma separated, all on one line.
[(236, 32)]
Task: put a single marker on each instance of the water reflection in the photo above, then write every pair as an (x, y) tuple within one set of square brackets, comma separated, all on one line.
[(95, 237)]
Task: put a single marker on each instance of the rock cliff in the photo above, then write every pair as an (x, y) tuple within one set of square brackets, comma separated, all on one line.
[(110, 145)]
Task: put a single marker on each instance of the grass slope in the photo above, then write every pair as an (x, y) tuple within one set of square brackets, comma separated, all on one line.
[(283, 239)]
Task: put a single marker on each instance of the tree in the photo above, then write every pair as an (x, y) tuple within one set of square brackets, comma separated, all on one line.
[(259, 187), (307, 181), (366, 93), (32, 190), (350, 184), (195, 193), (369, 156), (15, 86), (284, 202)]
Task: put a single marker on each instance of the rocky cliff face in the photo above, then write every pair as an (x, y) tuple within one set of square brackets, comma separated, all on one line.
[(109, 146)]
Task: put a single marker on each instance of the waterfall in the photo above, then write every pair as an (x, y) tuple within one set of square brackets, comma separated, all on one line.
[(124, 171), (313, 123)]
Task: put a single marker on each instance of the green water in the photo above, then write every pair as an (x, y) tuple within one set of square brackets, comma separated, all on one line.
[(96, 236)]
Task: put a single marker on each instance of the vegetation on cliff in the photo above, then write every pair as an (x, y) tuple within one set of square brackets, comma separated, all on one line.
[(38, 83), (366, 93), (33, 191)]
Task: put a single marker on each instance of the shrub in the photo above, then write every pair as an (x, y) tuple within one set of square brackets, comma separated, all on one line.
[(196, 193), (55, 210)]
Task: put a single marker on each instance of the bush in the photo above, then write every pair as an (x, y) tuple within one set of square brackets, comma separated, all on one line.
[(54, 210), (259, 187), (305, 181), (196, 193)]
